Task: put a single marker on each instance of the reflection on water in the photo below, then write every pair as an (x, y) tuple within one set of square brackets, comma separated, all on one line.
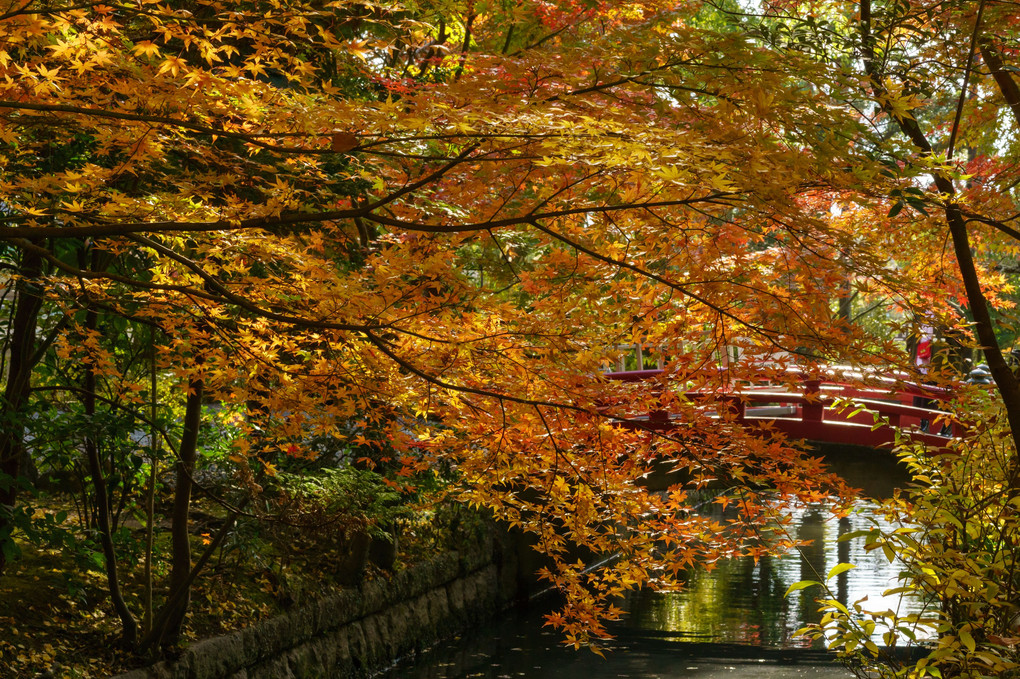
[(743, 602), (521, 647), (733, 622)]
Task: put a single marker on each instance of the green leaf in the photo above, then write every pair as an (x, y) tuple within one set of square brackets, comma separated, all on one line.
[(896, 208), (9, 549), (918, 205), (855, 534), (832, 603), (967, 639), (839, 568), (803, 584)]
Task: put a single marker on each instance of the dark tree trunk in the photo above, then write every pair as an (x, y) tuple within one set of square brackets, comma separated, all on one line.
[(130, 626), (28, 302), (180, 583), (1003, 78)]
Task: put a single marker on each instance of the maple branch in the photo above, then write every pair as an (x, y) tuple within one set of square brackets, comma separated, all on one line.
[(564, 188), (21, 10), (693, 90), (623, 80), (106, 229), (127, 229), (543, 39), (502, 253), (995, 223), (86, 274), (966, 80), (559, 453), (243, 302), (427, 179), (249, 137), (712, 198), (486, 135), (255, 138), (101, 230), (383, 346), (623, 264), (226, 297)]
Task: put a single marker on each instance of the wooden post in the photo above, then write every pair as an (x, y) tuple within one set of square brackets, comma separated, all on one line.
[(813, 410)]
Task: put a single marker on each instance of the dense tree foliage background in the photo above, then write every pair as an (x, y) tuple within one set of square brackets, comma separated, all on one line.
[(277, 238)]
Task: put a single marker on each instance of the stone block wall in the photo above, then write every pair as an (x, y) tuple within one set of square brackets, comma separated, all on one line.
[(359, 631)]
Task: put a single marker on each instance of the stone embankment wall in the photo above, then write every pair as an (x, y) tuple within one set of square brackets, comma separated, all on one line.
[(361, 630)]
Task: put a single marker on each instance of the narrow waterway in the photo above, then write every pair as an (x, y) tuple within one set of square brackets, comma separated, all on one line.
[(743, 602), (732, 622), (520, 647)]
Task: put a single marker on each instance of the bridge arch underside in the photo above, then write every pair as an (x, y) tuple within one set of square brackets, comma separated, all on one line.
[(877, 472)]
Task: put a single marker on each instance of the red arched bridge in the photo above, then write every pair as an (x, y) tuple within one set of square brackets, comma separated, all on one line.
[(825, 411)]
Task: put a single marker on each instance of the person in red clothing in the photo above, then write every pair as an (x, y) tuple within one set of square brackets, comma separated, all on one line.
[(922, 359)]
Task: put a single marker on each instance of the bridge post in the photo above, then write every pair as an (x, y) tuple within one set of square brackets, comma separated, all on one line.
[(659, 419), (736, 406), (814, 410)]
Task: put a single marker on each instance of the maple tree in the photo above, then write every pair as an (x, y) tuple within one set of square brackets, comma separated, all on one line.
[(438, 223)]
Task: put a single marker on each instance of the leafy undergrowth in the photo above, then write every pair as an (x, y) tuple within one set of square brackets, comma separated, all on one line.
[(56, 619)]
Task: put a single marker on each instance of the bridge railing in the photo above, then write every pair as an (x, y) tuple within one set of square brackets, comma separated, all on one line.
[(825, 411)]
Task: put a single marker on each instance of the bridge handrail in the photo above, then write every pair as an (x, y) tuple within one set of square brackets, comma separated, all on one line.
[(882, 407), (818, 397), (895, 386)]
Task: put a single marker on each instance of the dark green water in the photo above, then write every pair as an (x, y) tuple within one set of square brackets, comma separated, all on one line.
[(732, 622)]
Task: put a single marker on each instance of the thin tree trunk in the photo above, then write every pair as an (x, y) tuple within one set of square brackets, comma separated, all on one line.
[(174, 599), (130, 633), (150, 491), (167, 629)]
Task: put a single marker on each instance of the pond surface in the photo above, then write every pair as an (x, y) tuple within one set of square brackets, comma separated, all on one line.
[(732, 622)]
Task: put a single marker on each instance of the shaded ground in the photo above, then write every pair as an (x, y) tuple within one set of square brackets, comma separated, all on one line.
[(56, 619), (54, 625)]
